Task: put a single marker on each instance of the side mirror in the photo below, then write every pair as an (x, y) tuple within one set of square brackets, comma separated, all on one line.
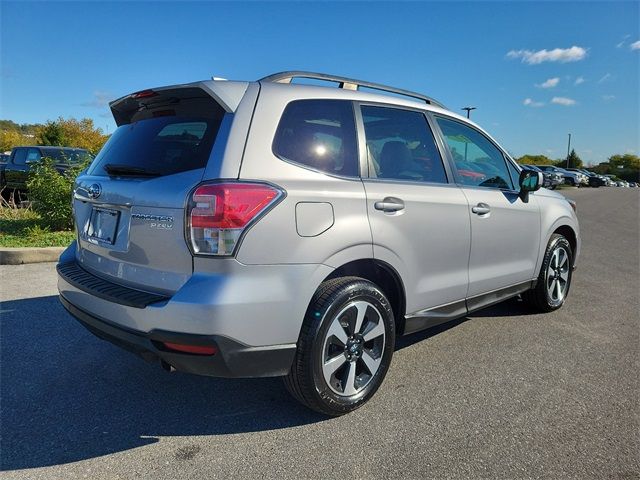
[(530, 181)]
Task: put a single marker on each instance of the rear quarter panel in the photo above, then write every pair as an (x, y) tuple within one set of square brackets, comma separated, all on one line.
[(276, 238)]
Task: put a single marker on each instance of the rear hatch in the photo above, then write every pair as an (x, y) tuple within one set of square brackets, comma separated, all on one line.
[(129, 205)]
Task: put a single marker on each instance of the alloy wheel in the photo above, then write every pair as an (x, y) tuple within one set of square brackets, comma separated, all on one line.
[(557, 281), (353, 347)]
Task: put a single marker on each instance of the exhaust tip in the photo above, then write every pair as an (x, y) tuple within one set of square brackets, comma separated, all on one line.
[(167, 367)]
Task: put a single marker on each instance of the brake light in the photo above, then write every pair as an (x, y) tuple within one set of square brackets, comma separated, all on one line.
[(219, 213), (144, 94)]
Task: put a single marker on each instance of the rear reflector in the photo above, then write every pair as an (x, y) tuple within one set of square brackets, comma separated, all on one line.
[(220, 212), (196, 349)]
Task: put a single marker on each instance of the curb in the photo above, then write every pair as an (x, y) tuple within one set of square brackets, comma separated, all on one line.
[(19, 256)]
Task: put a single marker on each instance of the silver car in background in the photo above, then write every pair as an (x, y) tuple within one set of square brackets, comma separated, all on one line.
[(268, 228)]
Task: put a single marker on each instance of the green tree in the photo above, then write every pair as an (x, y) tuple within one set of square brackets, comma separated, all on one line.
[(50, 193), (51, 134), (13, 138), (72, 133), (574, 161), (535, 160), (625, 161)]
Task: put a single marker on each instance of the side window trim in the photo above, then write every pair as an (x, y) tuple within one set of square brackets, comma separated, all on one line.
[(362, 144), (450, 157)]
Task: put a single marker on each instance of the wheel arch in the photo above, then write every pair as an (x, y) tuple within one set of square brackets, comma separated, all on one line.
[(568, 232), (384, 276)]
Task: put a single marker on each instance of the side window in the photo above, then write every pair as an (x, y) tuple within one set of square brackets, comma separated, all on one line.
[(320, 134), (33, 155), (477, 160), (400, 146), (20, 156)]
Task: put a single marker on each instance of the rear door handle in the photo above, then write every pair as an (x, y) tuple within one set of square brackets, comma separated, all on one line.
[(389, 205), (481, 209)]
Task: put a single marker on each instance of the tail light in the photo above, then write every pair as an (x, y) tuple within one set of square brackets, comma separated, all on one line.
[(219, 213)]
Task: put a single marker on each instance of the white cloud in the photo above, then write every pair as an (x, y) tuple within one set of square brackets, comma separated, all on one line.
[(567, 102), (606, 76), (550, 83), (635, 45), (579, 80), (562, 55), (100, 99), (531, 103), (624, 40), (608, 98)]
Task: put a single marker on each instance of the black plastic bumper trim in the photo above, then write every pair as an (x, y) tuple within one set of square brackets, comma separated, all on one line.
[(77, 276), (233, 359)]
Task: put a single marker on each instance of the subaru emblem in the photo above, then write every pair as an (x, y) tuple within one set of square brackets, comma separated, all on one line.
[(94, 190)]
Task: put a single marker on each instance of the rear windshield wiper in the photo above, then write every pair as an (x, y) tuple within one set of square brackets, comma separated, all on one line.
[(128, 170)]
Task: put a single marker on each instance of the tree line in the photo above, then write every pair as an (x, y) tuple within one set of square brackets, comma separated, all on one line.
[(62, 132), (625, 166)]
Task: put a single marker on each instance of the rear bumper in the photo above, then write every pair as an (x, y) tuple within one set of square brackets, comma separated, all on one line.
[(232, 359), (251, 313)]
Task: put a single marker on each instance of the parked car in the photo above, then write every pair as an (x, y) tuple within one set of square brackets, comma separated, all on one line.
[(592, 179), (633, 184), (570, 178), (248, 229), (15, 173), (551, 179), (4, 158)]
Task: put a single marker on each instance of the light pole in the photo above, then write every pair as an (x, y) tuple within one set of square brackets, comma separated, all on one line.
[(466, 145), (568, 150), (468, 109)]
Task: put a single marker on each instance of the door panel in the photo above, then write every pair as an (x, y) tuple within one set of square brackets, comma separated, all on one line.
[(505, 231), (419, 221), (504, 241), (427, 241)]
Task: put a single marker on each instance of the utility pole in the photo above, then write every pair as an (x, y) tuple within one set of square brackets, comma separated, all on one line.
[(468, 109), (568, 150)]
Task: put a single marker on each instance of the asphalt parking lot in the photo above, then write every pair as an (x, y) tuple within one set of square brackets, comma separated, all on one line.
[(500, 394)]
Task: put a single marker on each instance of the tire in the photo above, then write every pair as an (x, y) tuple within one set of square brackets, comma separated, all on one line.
[(337, 368), (547, 296)]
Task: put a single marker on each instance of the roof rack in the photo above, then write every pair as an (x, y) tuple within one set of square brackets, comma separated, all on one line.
[(348, 84)]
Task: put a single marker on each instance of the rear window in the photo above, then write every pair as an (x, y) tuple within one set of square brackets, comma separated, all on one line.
[(66, 156), (160, 134), (319, 134)]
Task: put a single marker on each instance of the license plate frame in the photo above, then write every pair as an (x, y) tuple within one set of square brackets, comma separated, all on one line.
[(103, 226)]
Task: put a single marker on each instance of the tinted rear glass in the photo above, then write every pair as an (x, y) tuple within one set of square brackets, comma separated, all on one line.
[(168, 132), (163, 146), (320, 134)]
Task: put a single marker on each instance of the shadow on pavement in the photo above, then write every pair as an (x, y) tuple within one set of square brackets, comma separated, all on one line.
[(510, 308), (67, 396)]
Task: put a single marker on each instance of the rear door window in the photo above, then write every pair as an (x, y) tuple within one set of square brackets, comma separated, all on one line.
[(401, 146), (319, 134)]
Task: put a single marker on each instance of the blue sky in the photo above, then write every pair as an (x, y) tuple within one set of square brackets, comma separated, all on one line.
[(535, 71)]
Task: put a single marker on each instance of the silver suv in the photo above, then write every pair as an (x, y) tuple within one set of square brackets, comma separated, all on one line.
[(272, 228)]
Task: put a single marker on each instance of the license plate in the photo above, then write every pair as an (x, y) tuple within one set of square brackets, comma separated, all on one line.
[(103, 225)]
